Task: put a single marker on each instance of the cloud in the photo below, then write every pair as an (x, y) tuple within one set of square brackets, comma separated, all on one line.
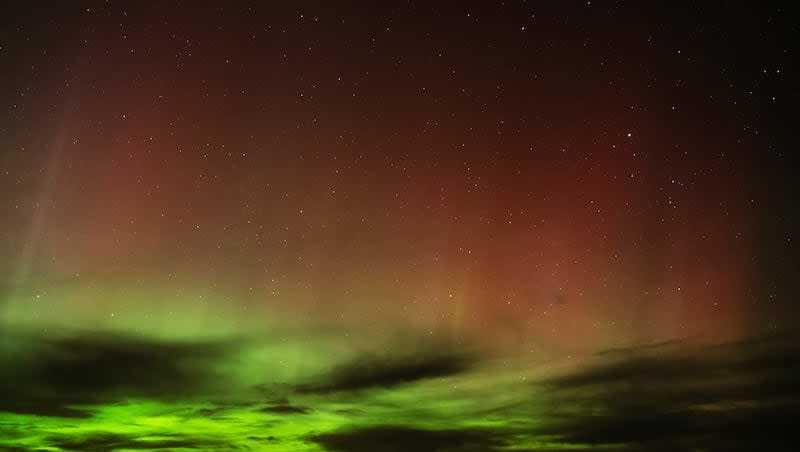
[(671, 396), (368, 372), (102, 442), (48, 376), (404, 439), (738, 396), (285, 409)]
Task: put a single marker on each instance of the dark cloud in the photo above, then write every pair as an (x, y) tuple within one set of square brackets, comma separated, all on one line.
[(388, 371), (739, 396), (46, 376), (210, 412), (403, 439), (285, 409), (262, 438), (110, 442)]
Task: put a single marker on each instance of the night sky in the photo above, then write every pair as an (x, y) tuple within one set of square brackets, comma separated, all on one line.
[(398, 226)]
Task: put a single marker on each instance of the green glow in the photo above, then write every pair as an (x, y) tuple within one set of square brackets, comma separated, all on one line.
[(236, 411)]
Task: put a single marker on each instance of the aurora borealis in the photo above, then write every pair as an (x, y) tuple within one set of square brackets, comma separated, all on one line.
[(397, 226)]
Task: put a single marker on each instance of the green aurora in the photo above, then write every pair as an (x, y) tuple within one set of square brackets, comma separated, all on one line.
[(399, 226), (103, 392)]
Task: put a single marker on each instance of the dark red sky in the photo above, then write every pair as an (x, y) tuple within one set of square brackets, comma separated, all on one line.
[(574, 176)]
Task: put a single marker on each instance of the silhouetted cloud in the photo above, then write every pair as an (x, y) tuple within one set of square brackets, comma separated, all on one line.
[(285, 409), (388, 371), (103, 442), (739, 396), (670, 396), (404, 439), (48, 375)]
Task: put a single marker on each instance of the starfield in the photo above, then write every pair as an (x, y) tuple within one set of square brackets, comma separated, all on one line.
[(398, 226)]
